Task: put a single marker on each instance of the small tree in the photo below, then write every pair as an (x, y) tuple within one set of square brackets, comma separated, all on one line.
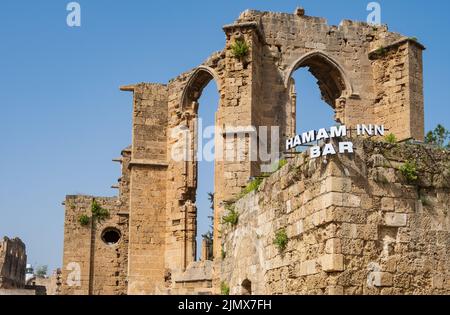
[(41, 271), (439, 136)]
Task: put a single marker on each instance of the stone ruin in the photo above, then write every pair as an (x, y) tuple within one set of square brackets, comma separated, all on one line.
[(342, 226), (13, 260), (13, 272)]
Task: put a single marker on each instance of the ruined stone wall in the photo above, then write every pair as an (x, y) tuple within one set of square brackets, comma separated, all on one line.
[(355, 225), (158, 192), (124, 180), (254, 91), (148, 189), (51, 285), (338, 56), (91, 266), (13, 260), (397, 71)]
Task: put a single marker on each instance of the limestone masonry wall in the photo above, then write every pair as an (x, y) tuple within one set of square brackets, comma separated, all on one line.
[(355, 225), (367, 74), (93, 266)]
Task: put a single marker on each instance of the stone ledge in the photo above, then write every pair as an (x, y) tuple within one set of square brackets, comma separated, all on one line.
[(254, 25), (374, 53), (146, 162)]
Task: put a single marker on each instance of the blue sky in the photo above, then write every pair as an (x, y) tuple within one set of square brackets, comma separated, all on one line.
[(63, 117)]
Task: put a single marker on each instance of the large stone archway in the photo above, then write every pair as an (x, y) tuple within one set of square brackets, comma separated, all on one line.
[(367, 74), (334, 84)]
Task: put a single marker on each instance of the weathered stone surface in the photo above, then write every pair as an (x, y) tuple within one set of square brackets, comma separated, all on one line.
[(341, 210), (383, 247), (13, 260), (395, 219), (332, 262)]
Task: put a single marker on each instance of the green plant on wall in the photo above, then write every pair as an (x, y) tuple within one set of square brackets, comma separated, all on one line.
[(232, 217), (84, 220), (240, 49), (99, 213), (409, 171), (281, 240), (281, 164), (254, 185), (390, 138), (224, 288)]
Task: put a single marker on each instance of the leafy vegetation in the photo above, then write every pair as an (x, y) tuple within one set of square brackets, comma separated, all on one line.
[(224, 288), (409, 171), (41, 271), (254, 185), (281, 240), (281, 164), (232, 217), (390, 138), (240, 49), (84, 220), (439, 136), (98, 213)]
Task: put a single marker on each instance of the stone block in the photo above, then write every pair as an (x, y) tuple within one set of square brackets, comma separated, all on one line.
[(438, 281), (387, 204), (337, 184), (333, 246), (308, 267), (380, 279), (336, 290), (332, 263), (395, 219)]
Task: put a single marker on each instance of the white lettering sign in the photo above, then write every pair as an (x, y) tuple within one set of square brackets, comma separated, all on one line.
[(335, 132)]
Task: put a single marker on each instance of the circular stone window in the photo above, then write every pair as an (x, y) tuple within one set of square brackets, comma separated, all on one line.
[(111, 236)]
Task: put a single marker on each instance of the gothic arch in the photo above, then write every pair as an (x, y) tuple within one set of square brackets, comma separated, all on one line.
[(198, 80), (333, 81), (192, 92)]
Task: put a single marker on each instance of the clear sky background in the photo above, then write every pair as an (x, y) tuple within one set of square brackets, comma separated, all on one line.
[(63, 117)]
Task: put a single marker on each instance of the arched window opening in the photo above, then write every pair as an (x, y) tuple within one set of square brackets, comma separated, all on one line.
[(200, 103), (246, 287), (317, 95), (207, 109)]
